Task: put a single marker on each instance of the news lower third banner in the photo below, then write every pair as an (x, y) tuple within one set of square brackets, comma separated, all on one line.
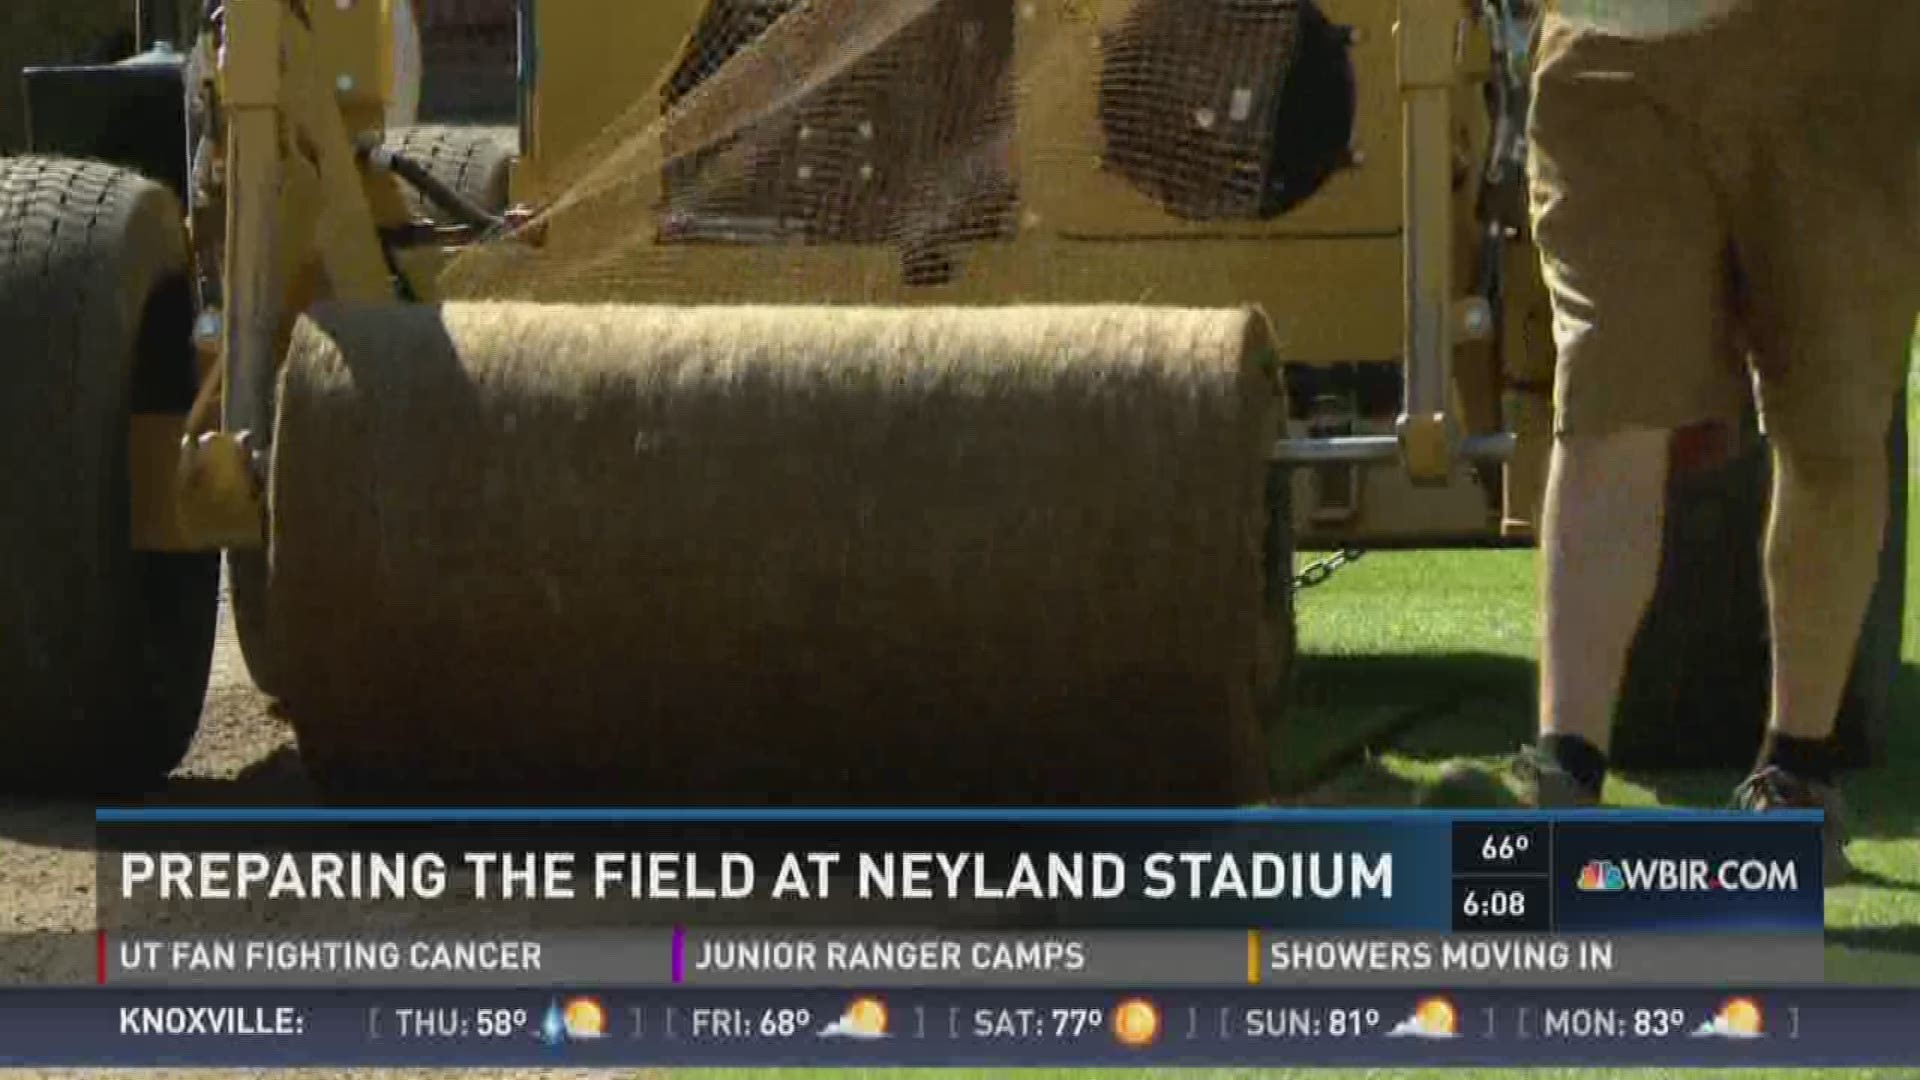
[(969, 899)]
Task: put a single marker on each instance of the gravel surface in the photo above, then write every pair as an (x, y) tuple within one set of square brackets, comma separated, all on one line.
[(244, 755)]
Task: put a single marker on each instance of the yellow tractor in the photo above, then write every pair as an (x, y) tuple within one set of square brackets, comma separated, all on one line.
[(841, 401)]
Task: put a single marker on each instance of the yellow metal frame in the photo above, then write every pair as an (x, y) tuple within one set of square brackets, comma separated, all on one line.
[(1385, 241), (1426, 39), (298, 88), (1387, 245), (590, 69)]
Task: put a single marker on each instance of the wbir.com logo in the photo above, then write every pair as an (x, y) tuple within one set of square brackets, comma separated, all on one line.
[(1602, 876), (1688, 875)]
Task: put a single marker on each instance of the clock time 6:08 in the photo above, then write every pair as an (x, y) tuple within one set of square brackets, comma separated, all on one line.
[(1494, 904)]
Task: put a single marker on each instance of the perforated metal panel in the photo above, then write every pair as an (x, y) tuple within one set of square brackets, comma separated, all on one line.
[(1226, 109)]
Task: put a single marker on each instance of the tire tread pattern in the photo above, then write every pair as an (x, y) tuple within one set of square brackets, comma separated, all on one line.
[(104, 651)]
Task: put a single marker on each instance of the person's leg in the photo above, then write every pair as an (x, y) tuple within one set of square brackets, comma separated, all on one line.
[(1600, 547), (1829, 516), (1822, 560), (1835, 275), (1600, 558), (1634, 249)]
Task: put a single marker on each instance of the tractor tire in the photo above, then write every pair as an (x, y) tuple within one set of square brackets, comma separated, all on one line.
[(469, 161), (247, 598), (1697, 689), (104, 650)]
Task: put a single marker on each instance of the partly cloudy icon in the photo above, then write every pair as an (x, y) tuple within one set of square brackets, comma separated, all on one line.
[(1739, 1018), (1433, 1018), (866, 1018)]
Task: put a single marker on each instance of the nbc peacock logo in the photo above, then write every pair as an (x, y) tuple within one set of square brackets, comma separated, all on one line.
[(1601, 876)]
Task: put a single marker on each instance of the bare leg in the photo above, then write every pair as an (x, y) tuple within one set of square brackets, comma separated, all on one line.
[(1822, 559), (1823, 547), (1605, 511)]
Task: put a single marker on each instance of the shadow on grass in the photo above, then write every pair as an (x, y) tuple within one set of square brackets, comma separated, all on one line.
[(1874, 880), (1347, 709), (1885, 939), (1351, 711), (1882, 802)]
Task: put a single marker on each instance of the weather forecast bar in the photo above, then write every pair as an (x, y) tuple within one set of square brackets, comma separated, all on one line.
[(583, 1027)]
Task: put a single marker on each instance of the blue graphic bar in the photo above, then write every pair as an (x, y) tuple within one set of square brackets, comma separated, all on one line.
[(1408, 871), (187, 815), (1718, 1028)]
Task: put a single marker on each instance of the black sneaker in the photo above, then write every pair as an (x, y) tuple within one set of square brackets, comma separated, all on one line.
[(1774, 788), (1528, 778)]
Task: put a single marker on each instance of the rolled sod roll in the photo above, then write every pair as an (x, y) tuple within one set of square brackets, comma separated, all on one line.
[(777, 555)]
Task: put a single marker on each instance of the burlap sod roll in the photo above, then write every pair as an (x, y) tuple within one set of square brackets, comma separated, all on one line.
[(777, 555)]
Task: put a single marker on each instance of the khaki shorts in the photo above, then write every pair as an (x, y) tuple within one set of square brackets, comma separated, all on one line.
[(1733, 209)]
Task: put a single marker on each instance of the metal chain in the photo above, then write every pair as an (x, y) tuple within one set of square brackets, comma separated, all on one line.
[(1319, 573), (1510, 24)]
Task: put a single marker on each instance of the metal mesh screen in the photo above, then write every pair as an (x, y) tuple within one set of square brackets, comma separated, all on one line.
[(470, 50), (911, 144), (864, 124), (1188, 99)]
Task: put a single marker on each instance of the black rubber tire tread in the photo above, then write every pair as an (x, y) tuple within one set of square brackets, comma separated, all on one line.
[(247, 598), (104, 651), (470, 162), (1696, 693)]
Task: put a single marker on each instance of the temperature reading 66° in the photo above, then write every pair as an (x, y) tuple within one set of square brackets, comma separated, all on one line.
[(1505, 847), (1073, 1023)]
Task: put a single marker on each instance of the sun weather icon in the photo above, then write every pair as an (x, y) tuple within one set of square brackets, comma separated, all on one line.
[(1433, 1018), (1601, 876), (865, 1018), (1136, 1023), (1738, 1018)]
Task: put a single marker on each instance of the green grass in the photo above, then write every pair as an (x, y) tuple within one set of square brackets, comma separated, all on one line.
[(1410, 659), (1429, 656)]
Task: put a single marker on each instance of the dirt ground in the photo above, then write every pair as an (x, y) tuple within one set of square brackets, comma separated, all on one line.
[(243, 756)]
